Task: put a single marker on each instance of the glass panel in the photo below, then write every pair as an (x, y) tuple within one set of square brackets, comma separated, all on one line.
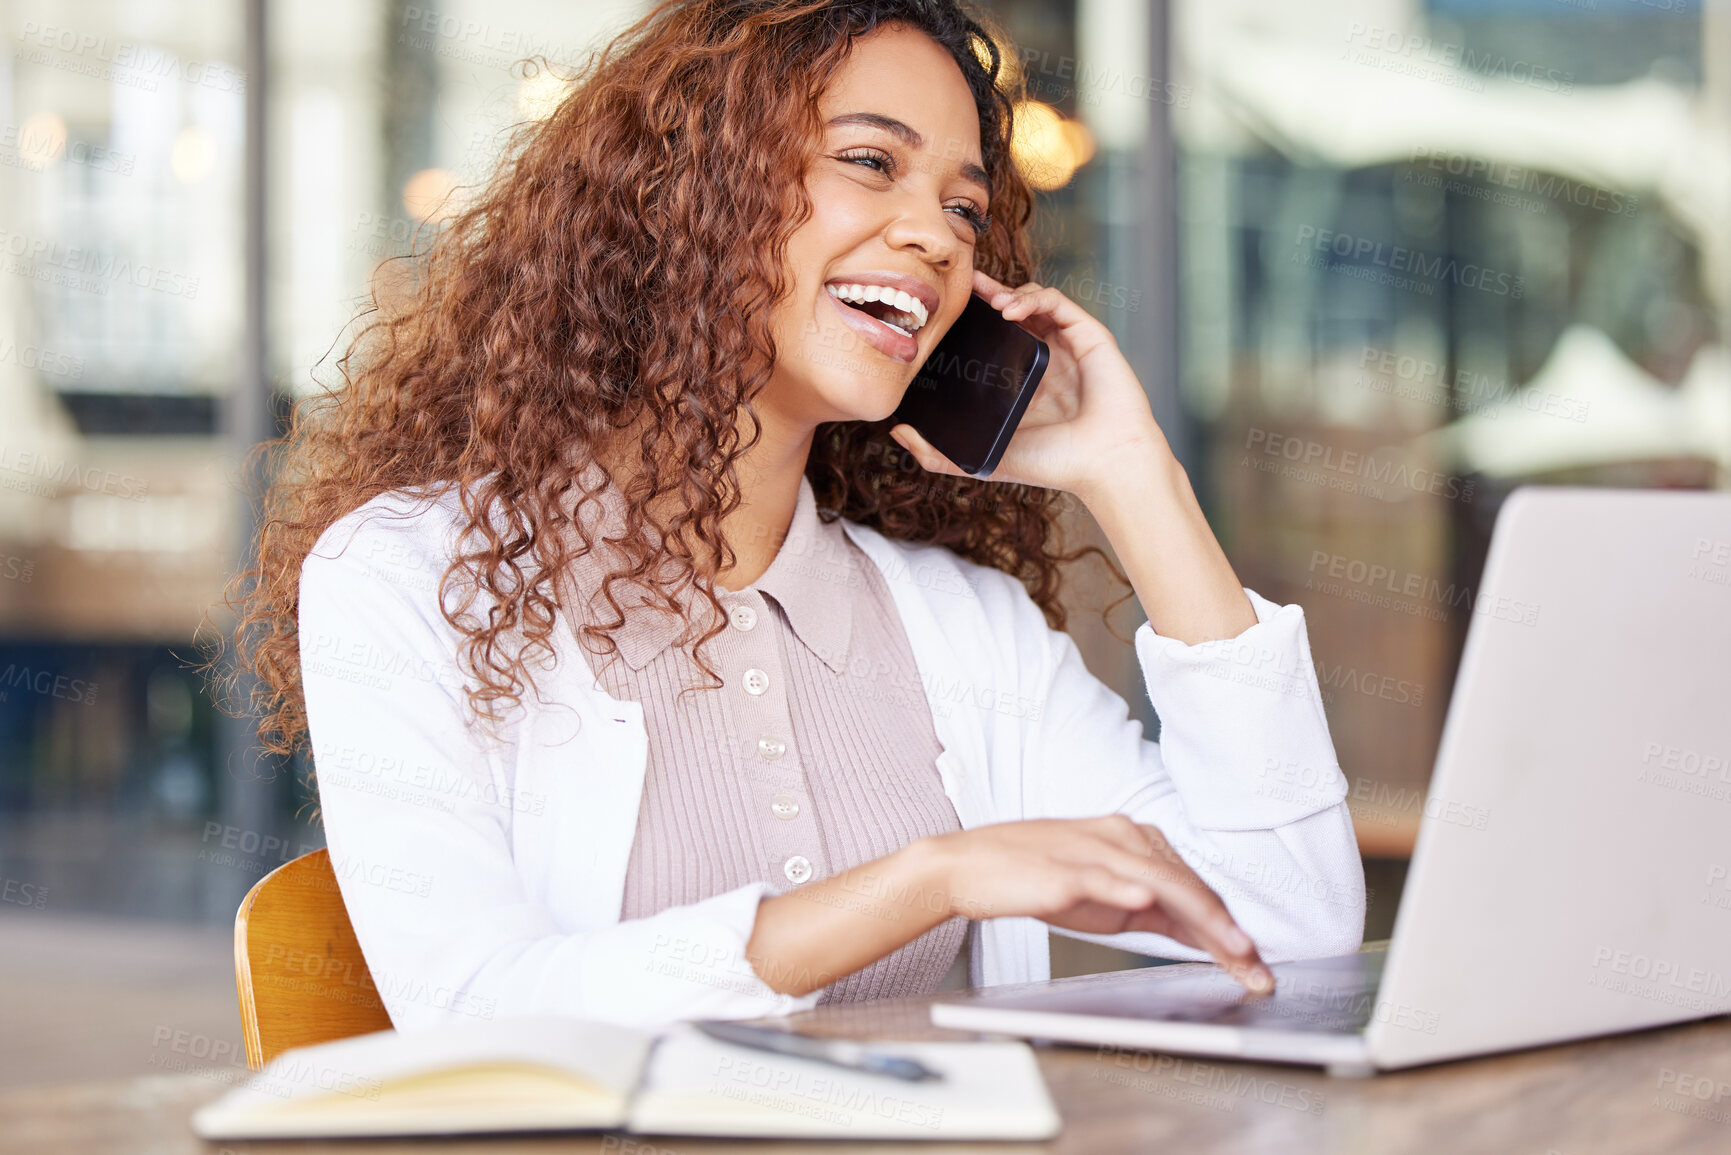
[(121, 142), (1429, 252)]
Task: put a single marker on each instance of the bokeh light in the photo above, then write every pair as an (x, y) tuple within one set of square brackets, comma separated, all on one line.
[(1047, 148)]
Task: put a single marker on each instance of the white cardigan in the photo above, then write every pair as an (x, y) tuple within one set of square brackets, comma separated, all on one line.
[(483, 872)]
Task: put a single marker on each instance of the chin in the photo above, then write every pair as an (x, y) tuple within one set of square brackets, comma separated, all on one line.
[(858, 390), (878, 403)]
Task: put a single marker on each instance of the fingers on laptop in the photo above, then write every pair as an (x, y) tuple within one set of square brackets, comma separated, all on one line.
[(1199, 916)]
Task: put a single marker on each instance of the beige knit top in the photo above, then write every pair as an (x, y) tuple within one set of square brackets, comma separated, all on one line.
[(816, 755)]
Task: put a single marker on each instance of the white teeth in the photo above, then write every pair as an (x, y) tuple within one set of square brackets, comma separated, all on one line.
[(898, 328), (913, 310)]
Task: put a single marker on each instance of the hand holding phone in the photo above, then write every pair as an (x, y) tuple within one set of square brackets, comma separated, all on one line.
[(971, 392)]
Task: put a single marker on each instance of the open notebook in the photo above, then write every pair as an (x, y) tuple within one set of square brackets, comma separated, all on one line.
[(554, 1074)]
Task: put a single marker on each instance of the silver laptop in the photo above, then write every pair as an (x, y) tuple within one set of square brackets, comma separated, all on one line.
[(1591, 725)]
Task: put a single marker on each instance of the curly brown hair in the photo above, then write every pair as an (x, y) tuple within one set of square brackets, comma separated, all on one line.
[(617, 275)]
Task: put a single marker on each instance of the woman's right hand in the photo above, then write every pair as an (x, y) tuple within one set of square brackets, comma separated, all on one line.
[(1094, 875)]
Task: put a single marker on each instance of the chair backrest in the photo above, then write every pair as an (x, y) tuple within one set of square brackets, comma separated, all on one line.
[(297, 966)]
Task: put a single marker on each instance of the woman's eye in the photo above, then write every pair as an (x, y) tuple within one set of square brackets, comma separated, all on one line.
[(976, 219), (867, 159), (885, 164)]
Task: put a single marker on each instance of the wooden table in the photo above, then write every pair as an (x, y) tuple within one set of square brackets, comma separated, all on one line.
[(1651, 1093)]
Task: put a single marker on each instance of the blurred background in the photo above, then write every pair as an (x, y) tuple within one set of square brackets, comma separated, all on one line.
[(1377, 262)]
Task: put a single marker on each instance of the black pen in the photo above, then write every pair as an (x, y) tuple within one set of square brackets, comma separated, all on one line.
[(837, 1052)]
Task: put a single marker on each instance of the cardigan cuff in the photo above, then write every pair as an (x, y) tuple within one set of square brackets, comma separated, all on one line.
[(1243, 733), (687, 962)]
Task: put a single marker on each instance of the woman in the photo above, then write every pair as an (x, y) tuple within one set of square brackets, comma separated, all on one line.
[(608, 720)]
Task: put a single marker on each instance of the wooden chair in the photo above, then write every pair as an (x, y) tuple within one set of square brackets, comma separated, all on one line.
[(297, 966)]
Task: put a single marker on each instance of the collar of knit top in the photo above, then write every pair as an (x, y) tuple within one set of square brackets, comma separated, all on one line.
[(814, 578)]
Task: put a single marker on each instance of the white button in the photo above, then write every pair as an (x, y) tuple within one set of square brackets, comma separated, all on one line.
[(797, 869), (784, 807), (744, 617), (755, 681), (771, 748)]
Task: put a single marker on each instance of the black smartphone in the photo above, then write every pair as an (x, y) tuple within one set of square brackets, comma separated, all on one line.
[(972, 391)]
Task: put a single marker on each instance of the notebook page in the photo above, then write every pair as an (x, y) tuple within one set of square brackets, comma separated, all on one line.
[(696, 1085), (509, 1074)]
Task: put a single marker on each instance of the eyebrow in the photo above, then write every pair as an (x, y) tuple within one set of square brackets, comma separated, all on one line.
[(907, 135)]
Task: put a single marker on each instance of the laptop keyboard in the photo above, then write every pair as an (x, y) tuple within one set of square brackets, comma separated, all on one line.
[(1324, 996)]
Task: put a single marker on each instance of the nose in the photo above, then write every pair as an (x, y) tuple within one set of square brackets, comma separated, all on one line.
[(921, 227)]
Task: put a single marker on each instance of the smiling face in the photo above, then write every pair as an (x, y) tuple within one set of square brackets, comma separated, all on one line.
[(884, 264)]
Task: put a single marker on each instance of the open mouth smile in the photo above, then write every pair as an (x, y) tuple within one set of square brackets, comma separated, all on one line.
[(903, 312), (885, 309)]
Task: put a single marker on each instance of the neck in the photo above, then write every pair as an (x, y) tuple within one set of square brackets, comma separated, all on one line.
[(769, 476)]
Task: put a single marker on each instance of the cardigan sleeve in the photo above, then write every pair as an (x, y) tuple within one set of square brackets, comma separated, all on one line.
[(1243, 780), (420, 818)]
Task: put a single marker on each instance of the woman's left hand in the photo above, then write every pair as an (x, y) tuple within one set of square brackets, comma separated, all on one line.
[(1088, 411)]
